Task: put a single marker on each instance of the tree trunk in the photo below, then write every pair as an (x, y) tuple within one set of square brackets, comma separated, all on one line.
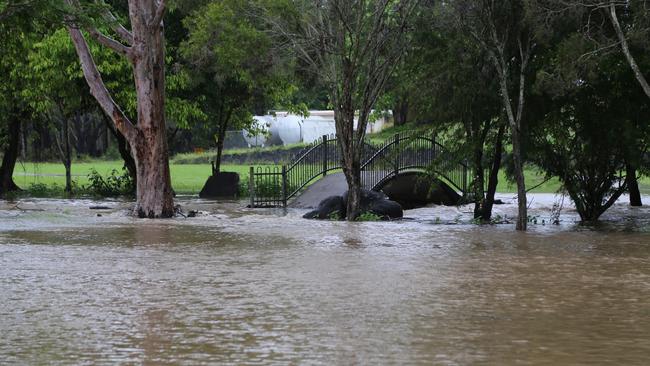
[(67, 159), (221, 136), (515, 131), (626, 50), (400, 112), (479, 181), (148, 142), (7, 183), (152, 168), (216, 167), (350, 149), (633, 186), (522, 209), (23, 142), (493, 180), (125, 151), (149, 146)]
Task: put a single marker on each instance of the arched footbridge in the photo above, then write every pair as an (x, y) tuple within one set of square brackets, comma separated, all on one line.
[(312, 173)]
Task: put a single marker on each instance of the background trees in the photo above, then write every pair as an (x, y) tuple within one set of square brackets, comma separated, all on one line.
[(535, 84), (234, 70)]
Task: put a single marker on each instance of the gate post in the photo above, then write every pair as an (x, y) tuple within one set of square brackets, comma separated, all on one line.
[(251, 186), (324, 153), (284, 186)]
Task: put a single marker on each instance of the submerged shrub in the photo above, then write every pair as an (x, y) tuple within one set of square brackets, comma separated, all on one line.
[(44, 190), (115, 184), (369, 216)]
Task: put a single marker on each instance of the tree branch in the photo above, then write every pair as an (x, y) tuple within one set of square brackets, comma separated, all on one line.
[(119, 29), (110, 43), (626, 50), (158, 16), (98, 88)]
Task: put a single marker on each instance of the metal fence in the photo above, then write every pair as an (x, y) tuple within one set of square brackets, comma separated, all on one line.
[(274, 186)]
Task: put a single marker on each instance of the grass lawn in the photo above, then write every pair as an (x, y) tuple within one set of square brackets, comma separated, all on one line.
[(189, 178), (186, 178)]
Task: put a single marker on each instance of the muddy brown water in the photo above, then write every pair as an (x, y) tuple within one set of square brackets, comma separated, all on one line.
[(239, 286)]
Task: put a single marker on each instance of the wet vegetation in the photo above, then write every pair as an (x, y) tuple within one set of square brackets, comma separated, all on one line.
[(548, 96)]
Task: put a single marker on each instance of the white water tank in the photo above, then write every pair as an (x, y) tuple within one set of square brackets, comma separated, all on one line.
[(315, 127), (260, 132), (289, 129)]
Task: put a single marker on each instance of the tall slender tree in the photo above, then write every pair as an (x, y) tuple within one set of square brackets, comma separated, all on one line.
[(503, 30), (353, 46)]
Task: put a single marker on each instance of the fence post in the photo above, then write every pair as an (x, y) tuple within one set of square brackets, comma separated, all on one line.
[(397, 153), (251, 186), (284, 186), (325, 157), (464, 179)]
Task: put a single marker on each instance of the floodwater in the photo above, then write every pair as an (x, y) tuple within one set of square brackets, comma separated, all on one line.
[(240, 286)]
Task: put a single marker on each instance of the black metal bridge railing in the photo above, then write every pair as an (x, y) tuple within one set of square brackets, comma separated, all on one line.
[(274, 186)]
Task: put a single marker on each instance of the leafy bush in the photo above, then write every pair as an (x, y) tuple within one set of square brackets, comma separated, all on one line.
[(43, 190), (368, 216), (114, 185)]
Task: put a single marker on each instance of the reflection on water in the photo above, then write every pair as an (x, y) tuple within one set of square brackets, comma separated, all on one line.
[(236, 286)]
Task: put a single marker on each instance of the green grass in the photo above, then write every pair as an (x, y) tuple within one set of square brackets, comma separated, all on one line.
[(186, 178), (189, 178), (534, 177)]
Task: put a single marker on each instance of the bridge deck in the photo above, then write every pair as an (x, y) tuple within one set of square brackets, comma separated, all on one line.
[(331, 185)]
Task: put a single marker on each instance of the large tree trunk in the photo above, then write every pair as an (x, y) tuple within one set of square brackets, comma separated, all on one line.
[(148, 139), (149, 146), (633, 186), (7, 183)]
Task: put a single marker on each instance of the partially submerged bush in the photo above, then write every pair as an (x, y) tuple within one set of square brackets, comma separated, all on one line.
[(113, 185), (369, 216)]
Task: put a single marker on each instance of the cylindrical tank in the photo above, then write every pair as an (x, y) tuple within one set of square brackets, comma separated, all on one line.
[(258, 135), (289, 129), (315, 127)]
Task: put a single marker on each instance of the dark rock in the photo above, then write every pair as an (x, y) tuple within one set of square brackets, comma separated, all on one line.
[(371, 201), (221, 185), (99, 208), (328, 207), (387, 209), (367, 198), (412, 190), (192, 213)]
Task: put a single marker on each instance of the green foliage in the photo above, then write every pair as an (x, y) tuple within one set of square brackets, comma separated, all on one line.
[(43, 190), (230, 65), (115, 184), (335, 216), (368, 216)]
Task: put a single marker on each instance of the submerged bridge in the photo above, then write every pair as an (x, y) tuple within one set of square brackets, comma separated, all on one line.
[(275, 186)]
